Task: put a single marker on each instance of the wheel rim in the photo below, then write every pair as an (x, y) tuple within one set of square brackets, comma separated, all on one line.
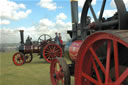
[(51, 51), (56, 73), (59, 72), (44, 38), (28, 58), (18, 58), (89, 64)]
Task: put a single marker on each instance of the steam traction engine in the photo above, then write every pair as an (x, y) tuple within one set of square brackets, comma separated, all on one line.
[(46, 47), (98, 50)]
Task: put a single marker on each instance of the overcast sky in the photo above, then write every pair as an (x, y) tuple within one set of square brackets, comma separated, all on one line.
[(37, 17)]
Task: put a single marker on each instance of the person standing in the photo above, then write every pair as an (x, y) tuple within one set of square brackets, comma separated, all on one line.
[(60, 38), (57, 40)]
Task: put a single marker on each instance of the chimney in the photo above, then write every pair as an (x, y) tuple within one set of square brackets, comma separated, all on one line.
[(22, 36), (74, 12)]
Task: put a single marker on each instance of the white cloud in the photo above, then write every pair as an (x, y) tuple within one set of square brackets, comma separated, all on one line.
[(114, 6), (61, 16), (10, 10), (8, 35), (81, 3), (4, 22), (108, 13), (46, 22), (49, 4), (79, 16), (45, 26)]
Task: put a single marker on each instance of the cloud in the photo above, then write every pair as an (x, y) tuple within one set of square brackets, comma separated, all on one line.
[(8, 35), (45, 26), (10, 10), (114, 6), (108, 13), (4, 22), (61, 16), (49, 4), (81, 3), (46, 22), (79, 16)]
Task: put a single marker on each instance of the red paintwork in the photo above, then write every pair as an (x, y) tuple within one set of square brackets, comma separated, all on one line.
[(51, 51), (18, 59), (74, 48), (56, 71), (88, 60)]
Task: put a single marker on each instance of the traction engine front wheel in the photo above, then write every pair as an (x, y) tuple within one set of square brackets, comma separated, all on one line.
[(18, 59), (59, 72)]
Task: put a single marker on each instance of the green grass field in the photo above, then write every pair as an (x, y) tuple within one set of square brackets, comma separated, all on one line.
[(34, 73)]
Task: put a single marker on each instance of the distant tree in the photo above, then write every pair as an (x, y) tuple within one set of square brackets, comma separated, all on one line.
[(2, 49)]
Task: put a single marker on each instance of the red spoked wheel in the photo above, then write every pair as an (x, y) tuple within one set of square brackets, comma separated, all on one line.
[(51, 51), (59, 72), (18, 59), (102, 60)]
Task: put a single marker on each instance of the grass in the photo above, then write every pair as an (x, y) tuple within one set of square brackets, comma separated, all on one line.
[(34, 73)]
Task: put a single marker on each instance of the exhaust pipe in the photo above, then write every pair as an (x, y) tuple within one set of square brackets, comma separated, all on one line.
[(22, 36), (74, 12)]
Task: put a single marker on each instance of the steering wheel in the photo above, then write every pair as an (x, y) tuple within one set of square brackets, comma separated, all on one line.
[(44, 37)]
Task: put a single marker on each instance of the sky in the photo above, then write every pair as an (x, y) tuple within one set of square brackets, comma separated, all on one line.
[(37, 17)]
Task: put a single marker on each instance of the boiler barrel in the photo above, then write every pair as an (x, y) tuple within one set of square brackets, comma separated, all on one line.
[(31, 49), (72, 48)]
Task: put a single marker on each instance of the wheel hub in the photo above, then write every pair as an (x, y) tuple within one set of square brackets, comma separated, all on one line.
[(26, 57), (18, 59), (52, 54)]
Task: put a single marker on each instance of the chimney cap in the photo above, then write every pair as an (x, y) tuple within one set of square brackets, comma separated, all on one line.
[(73, 0), (21, 30)]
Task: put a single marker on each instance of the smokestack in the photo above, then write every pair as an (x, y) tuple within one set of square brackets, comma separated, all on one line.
[(74, 12), (22, 36)]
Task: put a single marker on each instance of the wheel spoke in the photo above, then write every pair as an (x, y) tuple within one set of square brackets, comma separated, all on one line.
[(102, 9), (93, 13), (115, 46), (122, 77), (89, 78), (54, 48), (108, 61), (96, 70), (97, 59)]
